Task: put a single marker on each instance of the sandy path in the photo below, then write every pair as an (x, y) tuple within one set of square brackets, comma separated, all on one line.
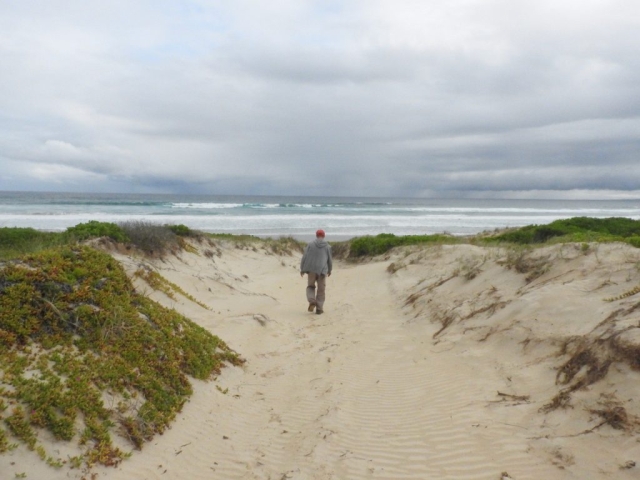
[(356, 393)]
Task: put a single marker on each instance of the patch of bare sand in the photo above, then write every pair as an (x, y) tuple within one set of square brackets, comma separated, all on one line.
[(453, 362)]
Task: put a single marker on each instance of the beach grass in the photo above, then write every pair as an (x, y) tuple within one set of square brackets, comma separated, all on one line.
[(279, 246)]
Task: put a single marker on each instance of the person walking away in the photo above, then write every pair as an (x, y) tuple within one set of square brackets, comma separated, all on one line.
[(317, 264)]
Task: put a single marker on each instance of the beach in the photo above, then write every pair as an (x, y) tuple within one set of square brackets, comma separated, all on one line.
[(473, 164), (430, 362)]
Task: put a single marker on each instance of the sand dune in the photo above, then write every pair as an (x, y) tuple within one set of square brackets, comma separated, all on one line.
[(430, 363)]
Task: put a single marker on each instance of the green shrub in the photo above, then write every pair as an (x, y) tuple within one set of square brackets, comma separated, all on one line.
[(616, 226), (577, 229), (94, 229), (370, 246), (19, 241), (635, 241), (12, 236), (382, 243), (233, 237), (182, 230)]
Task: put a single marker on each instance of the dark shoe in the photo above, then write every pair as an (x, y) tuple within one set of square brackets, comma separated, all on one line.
[(311, 307), (319, 312)]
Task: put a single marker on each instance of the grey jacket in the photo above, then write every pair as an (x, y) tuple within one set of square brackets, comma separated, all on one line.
[(317, 258)]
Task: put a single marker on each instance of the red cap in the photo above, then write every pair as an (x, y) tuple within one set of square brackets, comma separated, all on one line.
[(320, 233)]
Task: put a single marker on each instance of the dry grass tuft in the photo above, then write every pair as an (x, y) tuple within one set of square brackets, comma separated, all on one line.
[(284, 246), (614, 415), (340, 250), (561, 400), (445, 319), (592, 363), (413, 298), (470, 268), (151, 238), (522, 260), (394, 267), (590, 359)]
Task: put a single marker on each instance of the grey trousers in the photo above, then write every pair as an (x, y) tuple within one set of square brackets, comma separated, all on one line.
[(317, 298)]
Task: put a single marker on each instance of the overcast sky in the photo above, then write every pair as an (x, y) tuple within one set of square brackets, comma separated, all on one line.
[(478, 98)]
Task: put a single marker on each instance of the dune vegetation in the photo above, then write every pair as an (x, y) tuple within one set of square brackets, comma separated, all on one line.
[(577, 229), (87, 360), (84, 357), (572, 230)]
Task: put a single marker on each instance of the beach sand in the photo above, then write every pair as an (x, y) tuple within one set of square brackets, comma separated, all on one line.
[(441, 362)]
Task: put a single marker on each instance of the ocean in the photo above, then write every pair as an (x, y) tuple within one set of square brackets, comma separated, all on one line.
[(299, 217)]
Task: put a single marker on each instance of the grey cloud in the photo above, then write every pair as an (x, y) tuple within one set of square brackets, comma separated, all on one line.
[(324, 66), (371, 97)]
